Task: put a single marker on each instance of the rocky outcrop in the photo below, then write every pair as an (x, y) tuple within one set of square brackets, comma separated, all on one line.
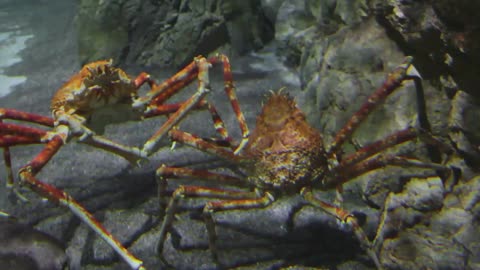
[(342, 54), (443, 35), (24, 247), (169, 33)]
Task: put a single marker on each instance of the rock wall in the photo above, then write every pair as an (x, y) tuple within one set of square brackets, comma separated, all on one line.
[(343, 50), (443, 36), (169, 33)]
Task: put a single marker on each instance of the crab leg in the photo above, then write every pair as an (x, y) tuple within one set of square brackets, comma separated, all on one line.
[(8, 166), (12, 135), (165, 90), (162, 92), (6, 141), (165, 109), (237, 203), (15, 129), (233, 200), (344, 217), (164, 173), (219, 125), (18, 134), (132, 154), (232, 96), (390, 141), (27, 176), (204, 87), (203, 145), (143, 78), (27, 117), (378, 162), (405, 71), (376, 147)]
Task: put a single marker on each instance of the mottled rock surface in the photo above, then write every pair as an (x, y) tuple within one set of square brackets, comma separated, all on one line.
[(169, 33), (24, 247), (444, 36)]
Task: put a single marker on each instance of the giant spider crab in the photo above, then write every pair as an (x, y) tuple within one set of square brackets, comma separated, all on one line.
[(97, 87), (285, 155)]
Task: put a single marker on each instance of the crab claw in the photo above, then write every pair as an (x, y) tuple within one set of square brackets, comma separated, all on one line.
[(410, 69), (412, 72)]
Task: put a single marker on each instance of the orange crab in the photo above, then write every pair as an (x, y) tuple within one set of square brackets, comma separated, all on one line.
[(97, 87), (285, 155)]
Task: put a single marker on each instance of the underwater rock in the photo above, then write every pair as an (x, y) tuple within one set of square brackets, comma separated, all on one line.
[(464, 126), (419, 248), (461, 12), (168, 33), (126, 225), (102, 30), (443, 35), (436, 238), (24, 247)]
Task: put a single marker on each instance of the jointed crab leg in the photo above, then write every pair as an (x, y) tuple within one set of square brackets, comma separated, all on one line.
[(376, 147), (24, 116), (202, 144), (14, 134), (11, 135), (27, 176), (197, 69), (163, 173), (161, 92), (344, 217), (15, 129), (390, 141), (196, 142), (13, 140), (230, 200), (219, 125), (165, 109), (132, 154), (380, 162), (394, 80), (231, 93), (6, 141), (236, 200), (204, 84), (8, 165)]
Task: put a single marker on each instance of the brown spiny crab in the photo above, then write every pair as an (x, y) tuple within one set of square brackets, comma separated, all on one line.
[(97, 87), (285, 155)]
